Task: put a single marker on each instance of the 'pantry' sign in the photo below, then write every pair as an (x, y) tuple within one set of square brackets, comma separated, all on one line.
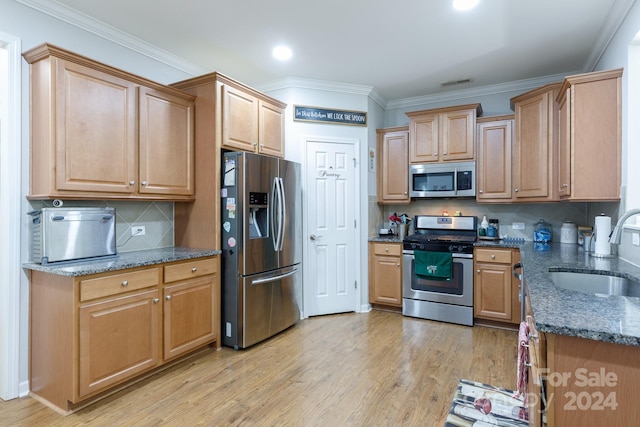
[(323, 115)]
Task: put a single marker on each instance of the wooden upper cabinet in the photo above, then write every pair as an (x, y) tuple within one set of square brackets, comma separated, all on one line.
[(271, 129), (424, 138), (495, 139), (443, 134), (239, 119), (393, 166), (250, 123), (591, 136), (564, 149), (167, 153), (95, 139), (92, 125), (535, 144)]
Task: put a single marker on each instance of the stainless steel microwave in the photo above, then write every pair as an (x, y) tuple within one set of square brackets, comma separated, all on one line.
[(450, 179)]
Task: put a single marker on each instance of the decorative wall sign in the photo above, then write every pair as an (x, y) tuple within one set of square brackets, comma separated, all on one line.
[(323, 115)]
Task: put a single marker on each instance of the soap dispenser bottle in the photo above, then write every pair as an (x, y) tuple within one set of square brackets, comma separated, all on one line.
[(483, 226)]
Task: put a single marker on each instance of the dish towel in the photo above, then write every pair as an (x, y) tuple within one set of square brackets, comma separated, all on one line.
[(523, 358), (435, 265)]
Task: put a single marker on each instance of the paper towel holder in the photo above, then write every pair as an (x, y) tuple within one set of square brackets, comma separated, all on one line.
[(593, 252)]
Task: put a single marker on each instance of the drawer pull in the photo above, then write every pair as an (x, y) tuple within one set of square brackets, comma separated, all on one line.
[(527, 364), (386, 249), (493, 257), (194, 269), (124, 283)]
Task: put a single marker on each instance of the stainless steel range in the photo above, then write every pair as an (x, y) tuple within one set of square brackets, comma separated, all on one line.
[(449, 299)]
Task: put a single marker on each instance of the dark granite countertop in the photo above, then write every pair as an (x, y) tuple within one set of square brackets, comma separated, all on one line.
[(389, 239), (122, 261), (598, 317)]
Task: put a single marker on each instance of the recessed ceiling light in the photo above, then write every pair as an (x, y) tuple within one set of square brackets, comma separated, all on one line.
[(465, 4), (282, 53)]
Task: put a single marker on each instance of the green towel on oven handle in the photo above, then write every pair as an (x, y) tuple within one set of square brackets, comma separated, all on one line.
[(435, 265)]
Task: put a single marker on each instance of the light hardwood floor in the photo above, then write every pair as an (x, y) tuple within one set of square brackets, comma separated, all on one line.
[(367, 369)]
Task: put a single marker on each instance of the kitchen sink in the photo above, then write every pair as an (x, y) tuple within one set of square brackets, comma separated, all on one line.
[(595, 283)]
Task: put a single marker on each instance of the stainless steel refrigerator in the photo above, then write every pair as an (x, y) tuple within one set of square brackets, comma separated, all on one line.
[(261, 247)]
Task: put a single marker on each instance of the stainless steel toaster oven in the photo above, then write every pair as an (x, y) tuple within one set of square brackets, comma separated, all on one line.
[(69, 234)]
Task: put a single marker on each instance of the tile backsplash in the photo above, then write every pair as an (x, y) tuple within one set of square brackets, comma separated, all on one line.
[(156, 217), (507, 214)]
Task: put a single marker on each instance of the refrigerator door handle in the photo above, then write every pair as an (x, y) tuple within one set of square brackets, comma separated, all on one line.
[(274, 278), (283, 208), (275, 230)]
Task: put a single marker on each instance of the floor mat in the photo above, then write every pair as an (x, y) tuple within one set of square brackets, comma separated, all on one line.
[(480, 404)]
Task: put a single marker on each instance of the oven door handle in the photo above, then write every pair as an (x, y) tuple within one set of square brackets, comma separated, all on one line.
[(453, 255)]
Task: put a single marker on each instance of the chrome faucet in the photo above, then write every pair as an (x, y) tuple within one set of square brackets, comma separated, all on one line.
[(614, 237)]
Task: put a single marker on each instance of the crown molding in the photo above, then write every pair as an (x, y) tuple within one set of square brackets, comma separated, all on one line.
[(515, 86), (619, 11), (323, 85), (105, 31)]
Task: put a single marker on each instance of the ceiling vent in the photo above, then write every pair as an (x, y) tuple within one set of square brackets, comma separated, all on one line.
[(455, 82)]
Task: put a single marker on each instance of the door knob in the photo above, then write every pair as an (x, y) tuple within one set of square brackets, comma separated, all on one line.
[(314, 237)]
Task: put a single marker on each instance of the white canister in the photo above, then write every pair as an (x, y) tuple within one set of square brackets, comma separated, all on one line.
[(568, 232)]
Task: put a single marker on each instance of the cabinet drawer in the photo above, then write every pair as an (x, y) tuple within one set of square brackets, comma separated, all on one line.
[(188, 270), (393, 249), (118, 283), (493, 255)]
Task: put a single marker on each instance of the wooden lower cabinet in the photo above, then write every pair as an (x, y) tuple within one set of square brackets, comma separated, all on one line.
[(92, 334), (191, 317), (110, 350), (496, 292), (385, 274)]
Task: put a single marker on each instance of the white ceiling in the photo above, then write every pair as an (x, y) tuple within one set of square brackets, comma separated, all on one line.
[(401, 49)]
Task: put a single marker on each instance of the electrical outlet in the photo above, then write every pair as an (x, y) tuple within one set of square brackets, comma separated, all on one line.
[(636, 238), (137, 230), (518, 225)]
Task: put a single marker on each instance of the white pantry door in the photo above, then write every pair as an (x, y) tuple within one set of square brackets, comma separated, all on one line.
[(330, 214)]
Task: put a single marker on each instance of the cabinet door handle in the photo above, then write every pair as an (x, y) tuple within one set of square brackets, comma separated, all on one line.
[(144, 183), (168, 297), (480, 191), (156, 300), (516, 190), (398, 265), (565, 185), (478, 271), (124, 283), (194, 269), (132, 182)]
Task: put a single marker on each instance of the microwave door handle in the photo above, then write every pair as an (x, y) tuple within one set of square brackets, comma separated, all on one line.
[(455, 181)]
